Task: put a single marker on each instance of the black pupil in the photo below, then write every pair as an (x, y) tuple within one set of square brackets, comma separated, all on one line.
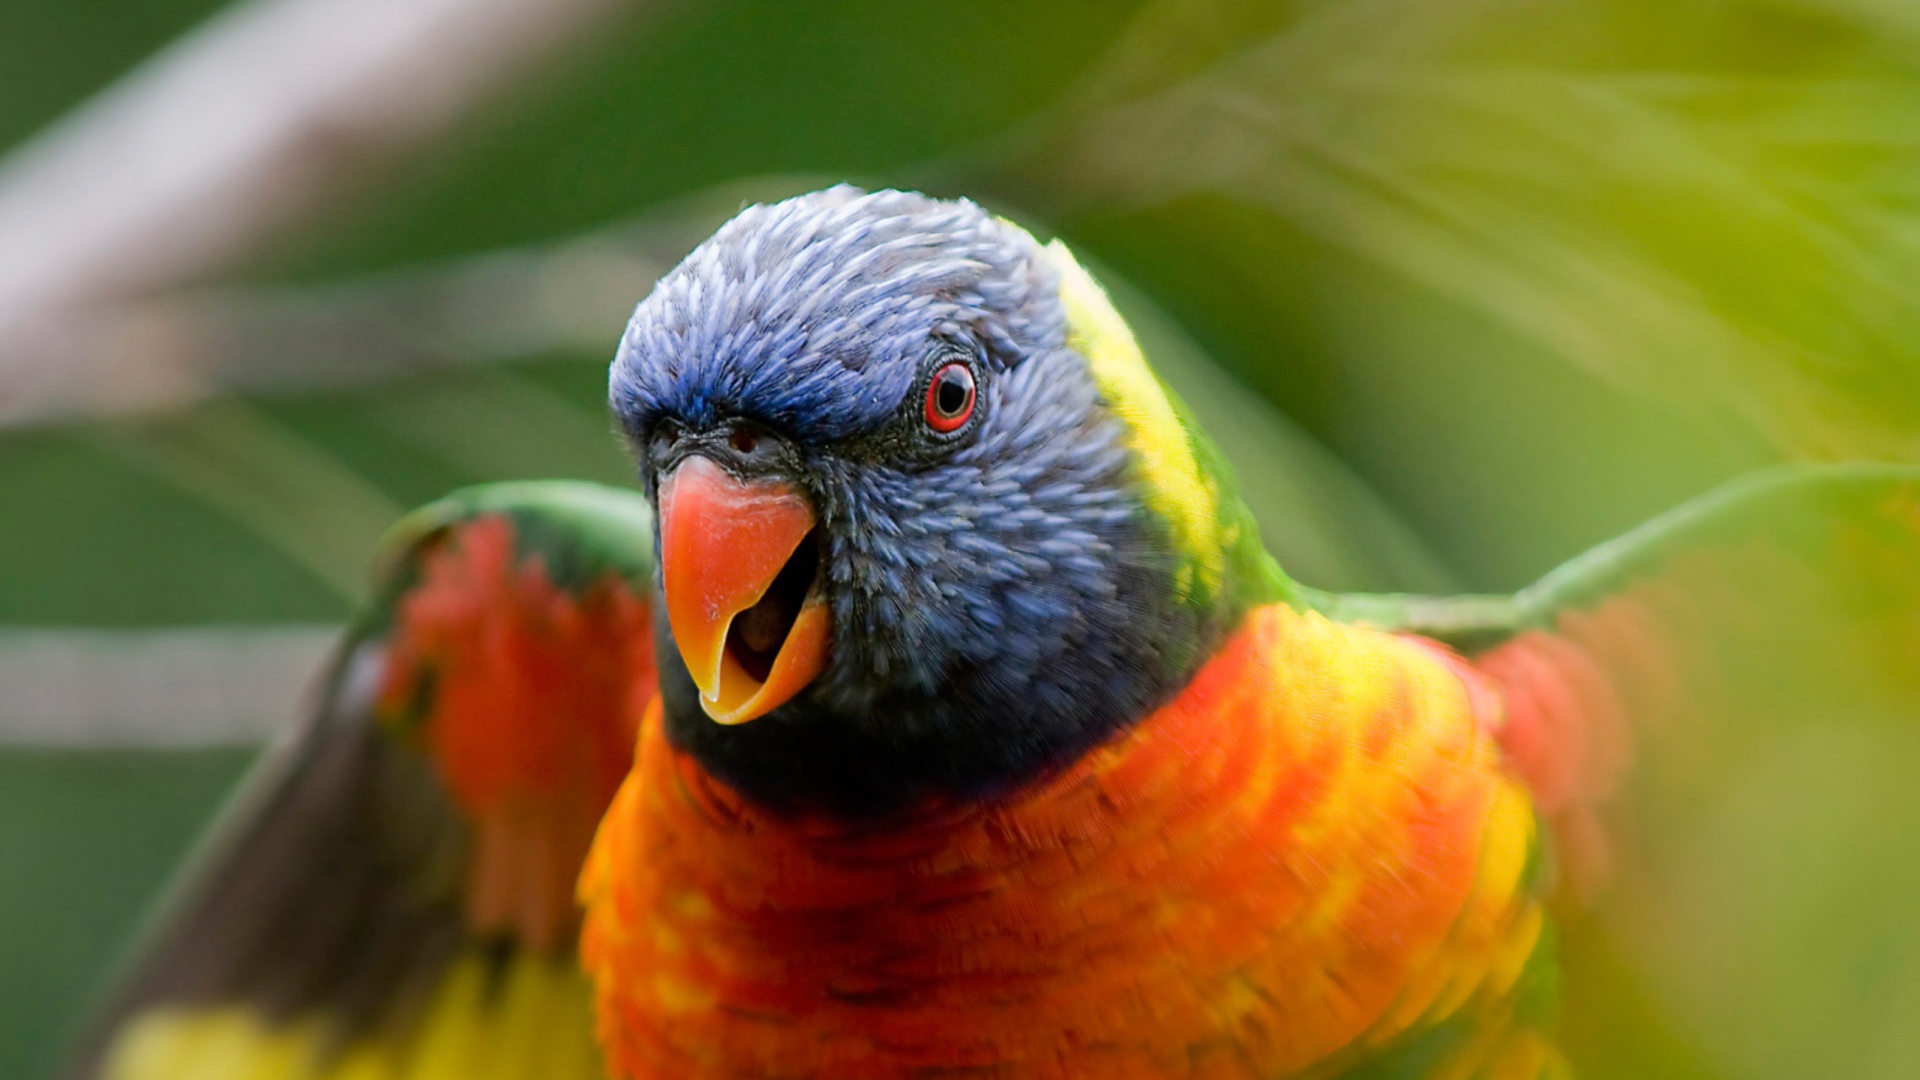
[(951, 396)]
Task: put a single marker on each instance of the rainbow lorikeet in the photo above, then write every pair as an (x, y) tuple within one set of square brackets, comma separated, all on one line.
[(934, 711)]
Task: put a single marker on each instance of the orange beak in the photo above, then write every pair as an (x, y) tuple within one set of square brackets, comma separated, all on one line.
[(739, 588)]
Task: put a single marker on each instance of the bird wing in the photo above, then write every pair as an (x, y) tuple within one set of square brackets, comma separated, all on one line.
[(392, 893), (1718, 715), (1798, 581)]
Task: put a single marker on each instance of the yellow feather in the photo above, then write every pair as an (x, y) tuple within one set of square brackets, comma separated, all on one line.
[(534, 1023), (1178, 489)]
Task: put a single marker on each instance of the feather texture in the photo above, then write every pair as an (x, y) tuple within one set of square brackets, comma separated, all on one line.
[(1311, 856)]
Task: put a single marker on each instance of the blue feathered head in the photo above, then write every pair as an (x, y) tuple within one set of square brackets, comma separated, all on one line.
[(889, 387)]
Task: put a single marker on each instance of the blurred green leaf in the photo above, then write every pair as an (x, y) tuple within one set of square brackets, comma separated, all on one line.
[(1667, 221), (86, 840)]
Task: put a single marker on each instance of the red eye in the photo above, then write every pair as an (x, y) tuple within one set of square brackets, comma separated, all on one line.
[(950, 397)]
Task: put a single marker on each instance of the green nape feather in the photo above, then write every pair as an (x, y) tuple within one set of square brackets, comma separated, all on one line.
[(1187, 481)]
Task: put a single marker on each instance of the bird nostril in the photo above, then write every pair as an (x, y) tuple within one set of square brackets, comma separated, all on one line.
[(743, 441)]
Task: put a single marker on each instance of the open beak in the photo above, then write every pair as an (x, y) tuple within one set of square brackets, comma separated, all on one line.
[(738, 564)]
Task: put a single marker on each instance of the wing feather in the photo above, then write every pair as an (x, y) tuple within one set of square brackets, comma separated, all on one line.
[(392, 893), (1718, 716)]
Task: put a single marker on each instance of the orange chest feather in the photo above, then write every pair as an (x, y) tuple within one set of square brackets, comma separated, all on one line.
[(1308, 852)]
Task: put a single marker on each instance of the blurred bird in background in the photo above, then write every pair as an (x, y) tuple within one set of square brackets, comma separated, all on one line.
[(1460, 289)]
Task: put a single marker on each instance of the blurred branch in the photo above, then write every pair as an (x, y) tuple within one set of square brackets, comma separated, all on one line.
[(499, 425), (171, 351), (200, 155), (176, 349), (208, 686)]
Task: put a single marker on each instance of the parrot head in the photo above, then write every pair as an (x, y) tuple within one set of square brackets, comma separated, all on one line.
[(927, 524)]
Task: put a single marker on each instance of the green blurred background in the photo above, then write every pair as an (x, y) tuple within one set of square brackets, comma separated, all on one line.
[(1464, 286)]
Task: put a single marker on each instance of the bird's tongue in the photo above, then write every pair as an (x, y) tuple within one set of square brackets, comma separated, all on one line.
[(738, 588)]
